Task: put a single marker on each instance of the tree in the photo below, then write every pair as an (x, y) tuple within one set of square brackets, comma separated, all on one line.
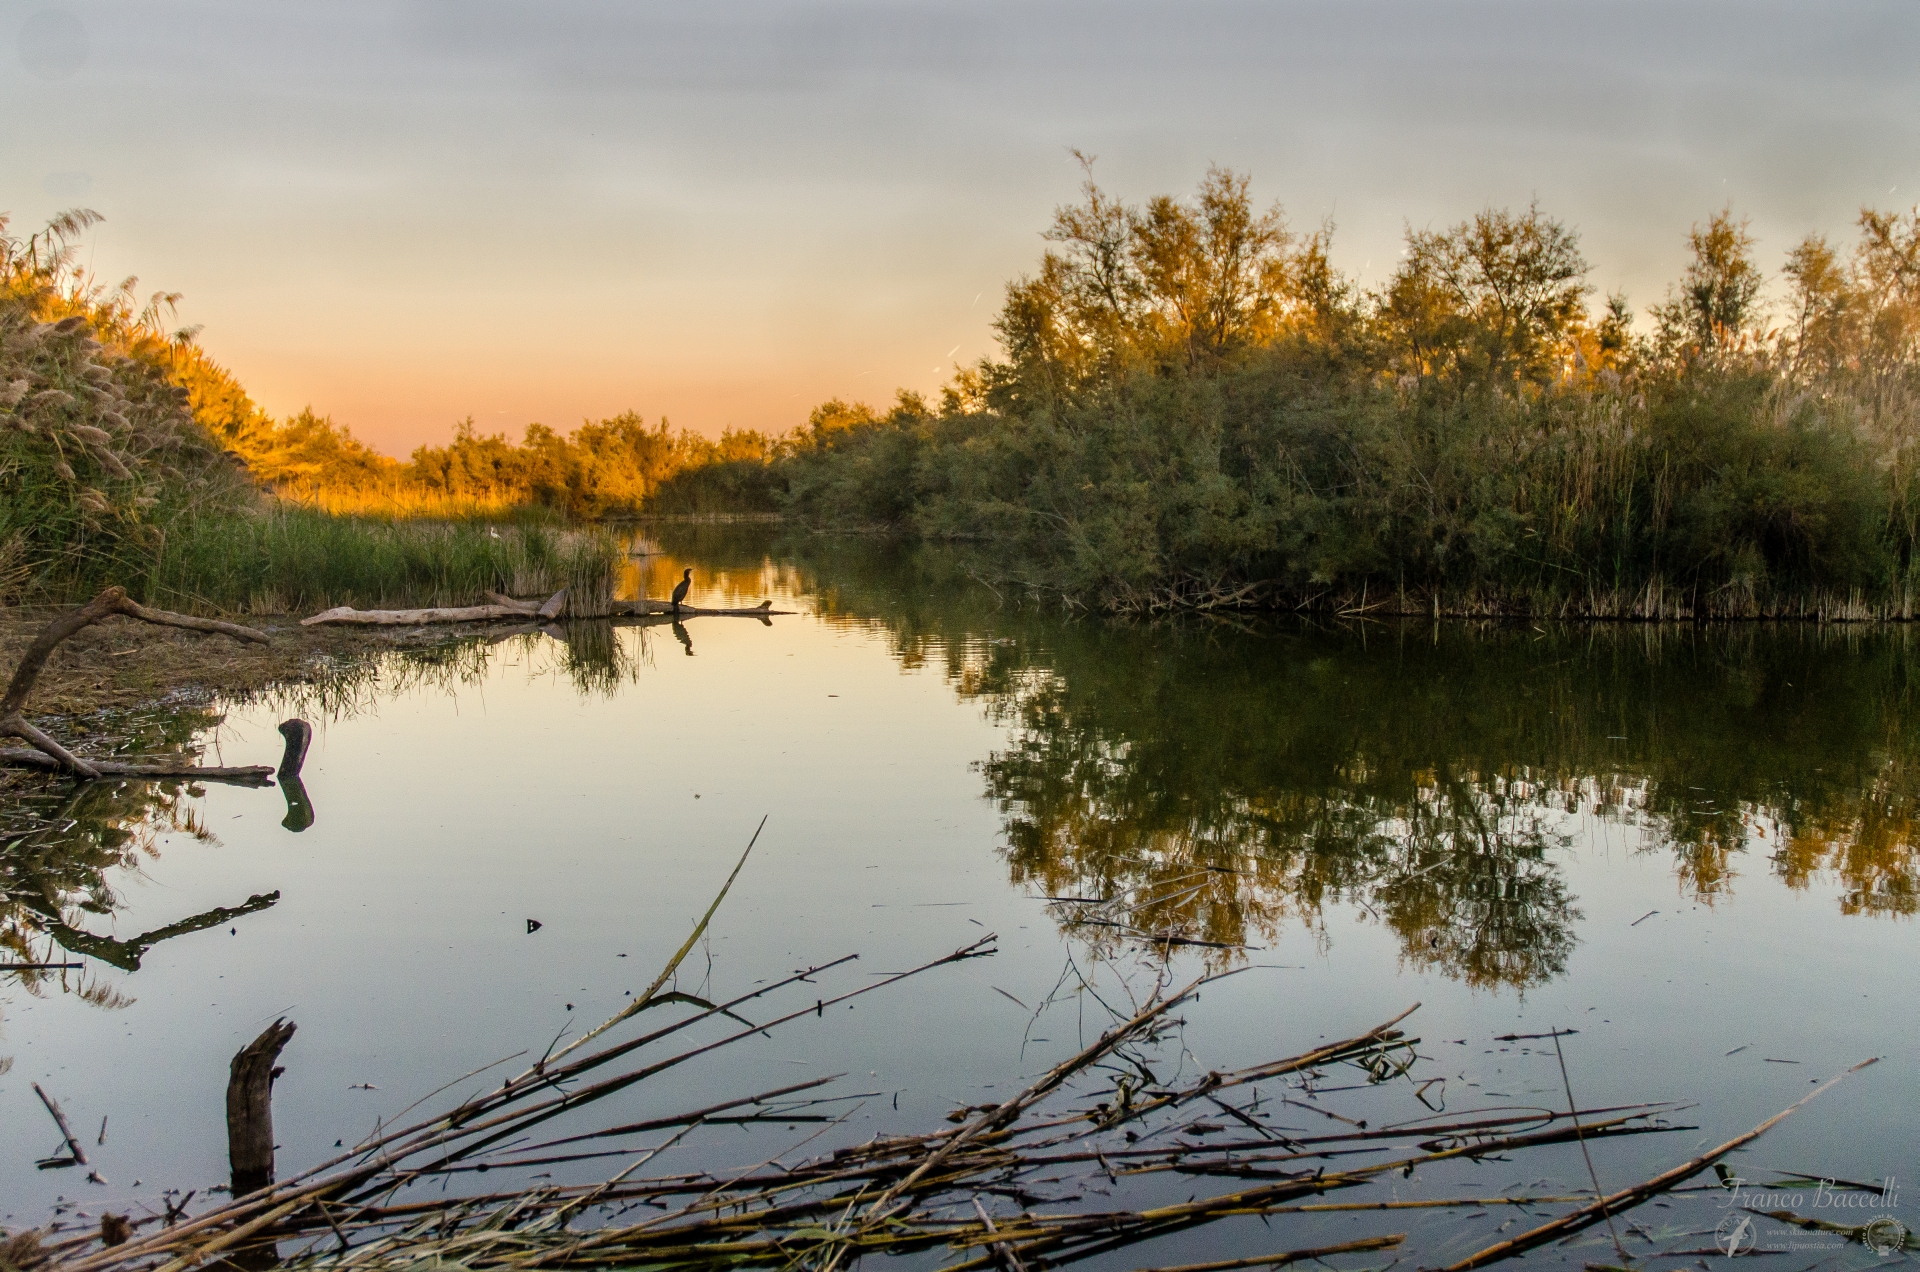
[(1097, 272), (1824, 308), (1494, 299), (1214, 271), (1615, 333), (1176, 284), (1887, 267), (1717, 302)]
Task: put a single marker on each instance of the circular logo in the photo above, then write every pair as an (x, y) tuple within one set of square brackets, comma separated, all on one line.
[(1884, 1235), (1736, 1234)]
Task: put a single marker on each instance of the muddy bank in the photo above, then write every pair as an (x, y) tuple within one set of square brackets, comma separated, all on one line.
[(104, 682)]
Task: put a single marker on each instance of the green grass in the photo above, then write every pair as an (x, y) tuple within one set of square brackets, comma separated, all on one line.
[(287, 559)]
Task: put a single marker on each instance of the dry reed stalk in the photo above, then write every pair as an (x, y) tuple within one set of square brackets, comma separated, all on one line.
[(1627, 1198), (895, 1195)]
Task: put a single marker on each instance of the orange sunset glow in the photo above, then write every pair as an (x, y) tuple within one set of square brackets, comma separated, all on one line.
[(404, 216)]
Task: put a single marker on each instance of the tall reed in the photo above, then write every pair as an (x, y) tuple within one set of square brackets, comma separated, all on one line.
[(292, 559)]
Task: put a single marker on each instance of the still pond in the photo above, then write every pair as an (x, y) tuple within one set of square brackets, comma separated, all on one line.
[(1696, 847)]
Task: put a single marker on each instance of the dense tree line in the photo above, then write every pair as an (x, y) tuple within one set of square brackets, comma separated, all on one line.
[(1196, 408), (1193, 407)]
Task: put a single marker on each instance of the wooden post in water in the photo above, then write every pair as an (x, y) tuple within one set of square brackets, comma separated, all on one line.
[(250, 1108), (299, 736)]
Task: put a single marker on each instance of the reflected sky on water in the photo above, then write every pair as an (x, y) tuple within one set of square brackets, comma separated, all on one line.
[(1696, 847)]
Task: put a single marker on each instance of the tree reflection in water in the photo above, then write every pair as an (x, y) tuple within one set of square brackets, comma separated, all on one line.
[(1227, 781), (1221, 804), (1221, 780), (62, 845)]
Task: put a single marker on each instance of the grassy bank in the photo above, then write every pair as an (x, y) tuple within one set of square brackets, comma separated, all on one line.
[(289, 559), (127, 456)]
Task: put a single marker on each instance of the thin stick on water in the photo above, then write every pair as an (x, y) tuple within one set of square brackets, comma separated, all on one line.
[(1011, 1109), (471, 1073), (1291, 1256), (1001, 1249), (1573, 1111), (639, 1004), (1627, 1198), (66, 1132)]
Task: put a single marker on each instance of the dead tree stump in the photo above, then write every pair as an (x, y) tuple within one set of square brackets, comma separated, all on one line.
[(250, 1108), (299, 736)]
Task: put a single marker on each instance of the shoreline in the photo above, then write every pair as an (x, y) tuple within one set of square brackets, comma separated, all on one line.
[(102, 676)]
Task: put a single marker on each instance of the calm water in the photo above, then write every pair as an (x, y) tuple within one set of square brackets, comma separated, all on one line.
[(1698, 848)]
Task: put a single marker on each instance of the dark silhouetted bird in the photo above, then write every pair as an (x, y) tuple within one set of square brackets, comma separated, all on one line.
[(681, 589)]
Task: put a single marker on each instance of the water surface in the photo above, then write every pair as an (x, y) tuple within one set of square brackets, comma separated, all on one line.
[(1694, 846)]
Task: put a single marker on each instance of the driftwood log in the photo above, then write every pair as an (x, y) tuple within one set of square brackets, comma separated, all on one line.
[(501, 607), (13, 720), (246, 775), (413, 617), (250, 1108), (651, 607)]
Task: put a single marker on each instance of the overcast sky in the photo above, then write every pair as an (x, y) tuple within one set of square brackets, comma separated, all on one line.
[(404, 214)]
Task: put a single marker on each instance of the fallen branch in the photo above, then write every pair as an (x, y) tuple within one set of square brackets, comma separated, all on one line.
[(13, 720), (501, 607), (60, 1119), (648, 607), (414, 617), (246, 775)]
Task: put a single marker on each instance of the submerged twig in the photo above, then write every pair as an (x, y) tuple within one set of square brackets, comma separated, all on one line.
[(74, 1150)]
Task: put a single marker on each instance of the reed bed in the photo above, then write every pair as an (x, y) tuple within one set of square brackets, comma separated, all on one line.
[(290, 559), (1089, 1125), (406, 502)]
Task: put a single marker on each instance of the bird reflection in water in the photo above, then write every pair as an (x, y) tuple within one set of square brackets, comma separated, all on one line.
[(686, 641)]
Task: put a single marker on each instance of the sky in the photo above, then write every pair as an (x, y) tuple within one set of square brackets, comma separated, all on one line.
[(403, 214)]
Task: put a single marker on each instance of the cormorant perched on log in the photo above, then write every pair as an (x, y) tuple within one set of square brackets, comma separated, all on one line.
[(681, 589)]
